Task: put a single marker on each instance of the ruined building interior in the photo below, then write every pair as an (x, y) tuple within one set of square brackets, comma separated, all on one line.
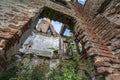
[(93, 45)]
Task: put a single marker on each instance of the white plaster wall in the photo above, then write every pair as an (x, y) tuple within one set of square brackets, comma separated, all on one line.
[(38, 42), (41, 42)]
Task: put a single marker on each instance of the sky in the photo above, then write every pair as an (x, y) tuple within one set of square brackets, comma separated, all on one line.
[(67, 32), (57, 26), (82, 1)]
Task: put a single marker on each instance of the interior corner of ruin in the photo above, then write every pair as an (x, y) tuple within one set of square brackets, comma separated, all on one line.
[(59, 39)]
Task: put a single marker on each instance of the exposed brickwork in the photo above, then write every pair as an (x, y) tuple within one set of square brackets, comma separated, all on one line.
[(17, 18), (92, 7), (99, 36), (97, 28)]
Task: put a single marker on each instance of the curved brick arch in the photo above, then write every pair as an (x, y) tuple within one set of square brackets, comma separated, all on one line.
[(99, 32), (99, 35)]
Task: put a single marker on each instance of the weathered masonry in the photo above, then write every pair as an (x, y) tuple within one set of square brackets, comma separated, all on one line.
[(96, 25)]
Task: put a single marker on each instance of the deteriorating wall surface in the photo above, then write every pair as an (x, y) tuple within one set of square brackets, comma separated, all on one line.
[(40, 42), (98, 29), (17, 19)]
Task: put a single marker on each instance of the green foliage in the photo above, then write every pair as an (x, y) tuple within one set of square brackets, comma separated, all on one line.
[(74, 69), (66, 72), (69, 73), (56, 52), (69, 39), (86, 69), (76, 57), (25, 70), (70, 42)]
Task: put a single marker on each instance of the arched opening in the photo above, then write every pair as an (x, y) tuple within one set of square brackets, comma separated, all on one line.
[(43, 51)]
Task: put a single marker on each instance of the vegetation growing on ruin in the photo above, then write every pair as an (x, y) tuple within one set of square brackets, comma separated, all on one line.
[(71, 69)]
